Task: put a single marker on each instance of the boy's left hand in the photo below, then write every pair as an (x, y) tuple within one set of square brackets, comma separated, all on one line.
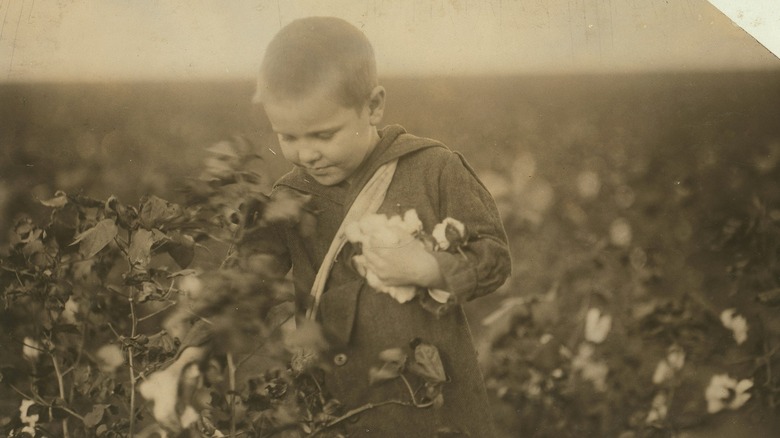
[(405, 264)]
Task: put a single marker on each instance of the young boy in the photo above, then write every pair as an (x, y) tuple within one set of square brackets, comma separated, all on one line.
[(319, 90)]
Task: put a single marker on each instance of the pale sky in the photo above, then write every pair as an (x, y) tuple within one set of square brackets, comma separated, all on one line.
[(104, 40)]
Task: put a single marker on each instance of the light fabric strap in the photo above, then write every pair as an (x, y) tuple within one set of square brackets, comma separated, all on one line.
[(368, 201)]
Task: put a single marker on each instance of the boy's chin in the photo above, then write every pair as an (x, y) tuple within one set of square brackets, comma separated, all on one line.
[(327, 180)]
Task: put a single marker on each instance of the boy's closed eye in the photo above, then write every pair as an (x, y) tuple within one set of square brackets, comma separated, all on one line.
[(321, 135)]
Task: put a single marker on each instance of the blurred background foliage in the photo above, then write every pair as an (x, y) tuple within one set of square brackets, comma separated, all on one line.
[(654, 197)]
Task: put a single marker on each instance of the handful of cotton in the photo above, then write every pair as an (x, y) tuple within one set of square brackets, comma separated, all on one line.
[(376, 231)]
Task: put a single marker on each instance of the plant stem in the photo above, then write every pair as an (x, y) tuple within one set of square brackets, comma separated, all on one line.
[(133, 323), (232, 382), (409, 387), (61, 386), (157, 312), (43, 402)]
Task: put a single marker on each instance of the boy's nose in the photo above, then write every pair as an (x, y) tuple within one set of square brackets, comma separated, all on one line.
[(308, 156)]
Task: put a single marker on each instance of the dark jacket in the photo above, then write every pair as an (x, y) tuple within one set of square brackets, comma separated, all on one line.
[(437, 183)]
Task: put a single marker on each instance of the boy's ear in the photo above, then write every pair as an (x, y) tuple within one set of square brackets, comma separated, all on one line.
[(376, 105)]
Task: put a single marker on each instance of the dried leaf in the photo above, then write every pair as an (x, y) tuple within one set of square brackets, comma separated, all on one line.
[(140, 252), (427, 363), (58, 201), (156, 212)]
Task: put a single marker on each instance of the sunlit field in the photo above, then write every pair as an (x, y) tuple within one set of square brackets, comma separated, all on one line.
[(640, 209)]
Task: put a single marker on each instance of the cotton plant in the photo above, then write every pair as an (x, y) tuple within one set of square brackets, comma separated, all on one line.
[(586, 361), (379, 230), (590, 368), (659, 408), (725, 392), (668, 367)]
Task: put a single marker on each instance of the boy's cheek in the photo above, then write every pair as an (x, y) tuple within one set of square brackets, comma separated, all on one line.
[(287, 153)]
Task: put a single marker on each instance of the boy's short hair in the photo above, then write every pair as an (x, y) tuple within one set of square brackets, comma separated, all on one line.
[(311, 51)]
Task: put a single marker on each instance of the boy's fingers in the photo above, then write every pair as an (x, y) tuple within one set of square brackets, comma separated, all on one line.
[(370, 260), (359, 263)]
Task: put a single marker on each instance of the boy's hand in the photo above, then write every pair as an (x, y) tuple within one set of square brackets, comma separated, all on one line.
[(405, 264)]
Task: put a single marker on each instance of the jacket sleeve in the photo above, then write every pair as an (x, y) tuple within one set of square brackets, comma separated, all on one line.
[(487, 263)]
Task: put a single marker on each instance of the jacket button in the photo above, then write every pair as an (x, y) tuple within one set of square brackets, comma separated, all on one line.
[(340, 359)]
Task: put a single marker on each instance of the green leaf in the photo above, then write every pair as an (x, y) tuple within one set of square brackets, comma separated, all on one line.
[(96, 238), (93, 418), (427, 363), (224, 148), (770, 297), (11, 375), (183, 273), (308, 335), (438, 401), (65, 329), (388, 371), (181, 248), (393, 355)]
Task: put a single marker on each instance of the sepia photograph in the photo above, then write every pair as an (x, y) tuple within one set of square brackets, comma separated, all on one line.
[(412, 218)]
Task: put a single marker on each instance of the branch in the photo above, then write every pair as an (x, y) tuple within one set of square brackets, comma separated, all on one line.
[(61, 386), (232, 382), (157, 312), (366, 407), (133, 323)]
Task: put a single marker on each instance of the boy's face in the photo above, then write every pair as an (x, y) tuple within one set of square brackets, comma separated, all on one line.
[(328, 140)]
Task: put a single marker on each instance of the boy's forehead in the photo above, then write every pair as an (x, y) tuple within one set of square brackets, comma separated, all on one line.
[(325, 84), (308, 113)]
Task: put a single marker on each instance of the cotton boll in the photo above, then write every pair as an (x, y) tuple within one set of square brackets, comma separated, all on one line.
[(402, 294), (68, 314), (161, 388), (31, 349), (588, 184), (109, 358), (736, 323), (725, 392), (412, 222), (385, 237), (371, 223), (523, 170), (620, 233), (597, 326), (354, 233), (376, 231)]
